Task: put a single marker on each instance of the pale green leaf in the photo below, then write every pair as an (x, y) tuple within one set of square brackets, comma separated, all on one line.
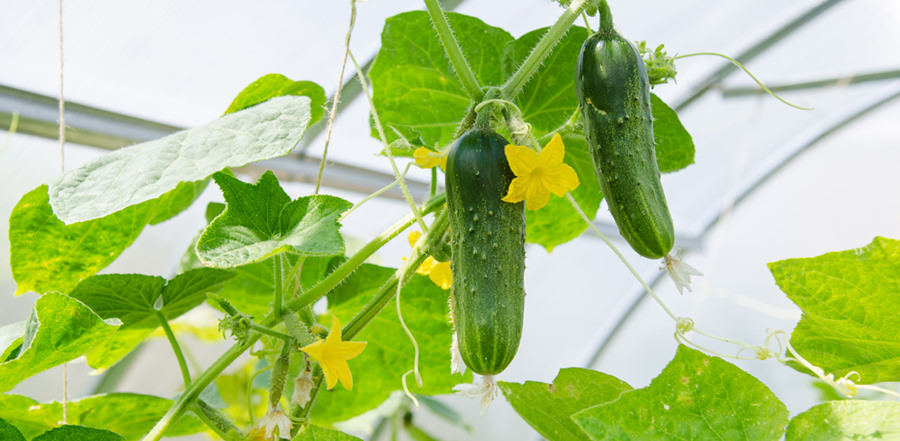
[(275, 85), (261, 220), (696, 397), (389, 354), (8, 432), (131, 299), (146, 171), (316, 433), (130, 415), (47, 255), (847, 421), (849, 301), (416, 91), (66, 329), (11, 339), (548, 408), (78, 433)]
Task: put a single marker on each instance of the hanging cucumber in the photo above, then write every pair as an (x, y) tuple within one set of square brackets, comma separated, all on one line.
[(614, 94), (487, 238)]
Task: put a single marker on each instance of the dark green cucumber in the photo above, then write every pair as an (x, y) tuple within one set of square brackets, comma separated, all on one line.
[(487, 238), (614, 94)]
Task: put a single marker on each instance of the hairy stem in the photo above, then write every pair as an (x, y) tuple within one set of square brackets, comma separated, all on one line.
[(533, 62), (454, 53), (185, 373), (279, 284)]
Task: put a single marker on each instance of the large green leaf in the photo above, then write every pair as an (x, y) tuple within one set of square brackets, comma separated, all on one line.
[(79, 433), (674, 145), (275, 85), (696, 397), (316, 433), (48, 255), (548, 408), (129, 415), (11, 339), (416, 91), (146, 171), (847, 421), (65, 329), (8, 432), (132, 298), (261, 220), (389, 353), (849, 301)]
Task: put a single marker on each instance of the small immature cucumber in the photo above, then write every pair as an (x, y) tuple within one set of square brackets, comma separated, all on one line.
[(487, 238), (614, 94)]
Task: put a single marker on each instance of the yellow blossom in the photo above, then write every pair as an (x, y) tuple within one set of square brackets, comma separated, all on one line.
[(539, 174), (426, 158), (438, 272), (332, 355)]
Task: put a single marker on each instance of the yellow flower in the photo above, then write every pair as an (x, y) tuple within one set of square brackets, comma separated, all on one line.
[(438, 272), (332, 355), (539, 174), (426, 158)]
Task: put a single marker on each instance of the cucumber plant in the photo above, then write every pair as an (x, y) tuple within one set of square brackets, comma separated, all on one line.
[(264, 259)]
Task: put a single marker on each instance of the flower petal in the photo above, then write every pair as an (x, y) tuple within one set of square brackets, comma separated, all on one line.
[(518, 190), (537, 195), (522, 160), (441, 275), (553, 153), (561, 180)]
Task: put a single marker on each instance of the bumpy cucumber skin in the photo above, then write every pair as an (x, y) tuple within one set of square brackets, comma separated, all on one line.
[(487, 237), (614, 94)]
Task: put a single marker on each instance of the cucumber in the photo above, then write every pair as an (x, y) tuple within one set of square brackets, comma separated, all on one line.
[(487, 240), (614, 94)]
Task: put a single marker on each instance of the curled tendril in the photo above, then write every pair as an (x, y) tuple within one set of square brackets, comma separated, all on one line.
[(238, 325), (684, 325)]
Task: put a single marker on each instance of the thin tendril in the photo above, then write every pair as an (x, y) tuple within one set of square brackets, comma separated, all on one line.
[(741, 66), (377, 193), (337, 94), (62, 169), (412, 338)]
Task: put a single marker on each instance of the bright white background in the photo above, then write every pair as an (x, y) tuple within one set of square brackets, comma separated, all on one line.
[(182, 63)]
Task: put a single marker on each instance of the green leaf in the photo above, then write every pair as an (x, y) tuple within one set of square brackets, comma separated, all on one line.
[(261, 220), (416, 91), (11, 339), (674, 145), (389, 353), (847, 421), (131, 298), (548, 408), (66, 329), (146, 171), (8, 432), (275, 85), (557, 222), (696, 397), (316, 433), (78, 433), (548, 100), (849, 303), (48, 255), (130, 415)]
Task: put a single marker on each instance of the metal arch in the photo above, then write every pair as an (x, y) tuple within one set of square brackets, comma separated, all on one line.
[(753, 51)]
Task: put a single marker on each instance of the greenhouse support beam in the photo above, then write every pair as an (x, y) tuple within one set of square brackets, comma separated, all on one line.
[(815, 84), (745, 57)]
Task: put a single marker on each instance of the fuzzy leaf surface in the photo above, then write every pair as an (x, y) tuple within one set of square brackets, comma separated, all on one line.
[(129, 415), (389, 353), (849, 301), (9, 432), (79, 433), (548, 408), (260, 220), (66, 329), (316, 433), (148, 170), (131, 299), (696, 397), (847, 420)]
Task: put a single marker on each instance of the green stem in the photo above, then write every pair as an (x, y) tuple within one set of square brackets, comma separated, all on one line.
[(185, 373), (606, 20), (279, 285), (270, 332), (454, 53), (196, 387), (533, 62)]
